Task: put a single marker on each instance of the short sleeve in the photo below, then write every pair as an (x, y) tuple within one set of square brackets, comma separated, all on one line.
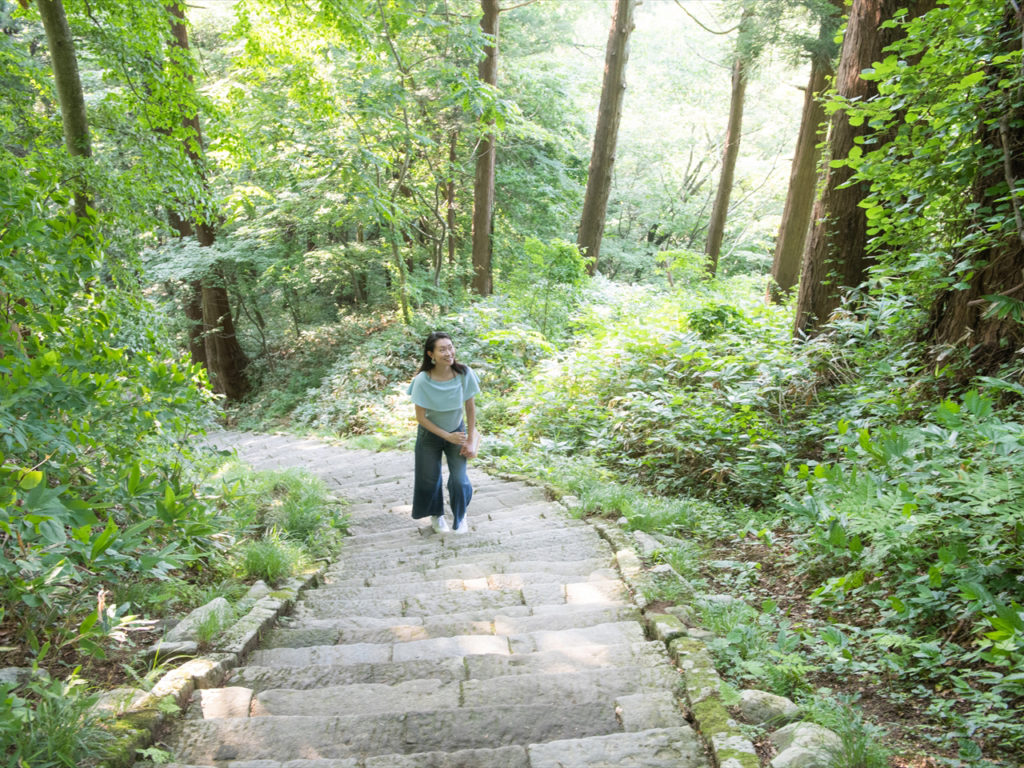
[(471, 384)]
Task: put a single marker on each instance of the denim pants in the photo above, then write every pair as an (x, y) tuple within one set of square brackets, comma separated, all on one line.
[(427, 496)]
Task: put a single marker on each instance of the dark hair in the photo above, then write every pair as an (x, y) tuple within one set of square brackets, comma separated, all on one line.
[(428, 347)]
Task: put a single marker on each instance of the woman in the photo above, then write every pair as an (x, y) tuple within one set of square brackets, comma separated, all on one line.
[(441, 389)]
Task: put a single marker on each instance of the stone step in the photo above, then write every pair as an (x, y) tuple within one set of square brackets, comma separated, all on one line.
[(420, 538), (422, 695), (426, 586), (641, 706), (502, 757), (320, 605), (676, 747), (326, 675), (566, 660), (482, 656), (582, 641), (272, 673), (569, 687), (387, 529), (516, 620), (656, 748), (454, 546), (291, 737), (339, 575)]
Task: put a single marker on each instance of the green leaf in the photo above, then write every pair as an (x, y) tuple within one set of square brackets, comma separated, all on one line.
[(29, 479), (971, 80), (106, 537)]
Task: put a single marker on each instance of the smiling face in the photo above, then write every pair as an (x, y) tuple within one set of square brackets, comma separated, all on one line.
[(443, 352)]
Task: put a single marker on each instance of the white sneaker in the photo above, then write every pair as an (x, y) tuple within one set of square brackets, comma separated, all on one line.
[(441, 524), (463, 528)]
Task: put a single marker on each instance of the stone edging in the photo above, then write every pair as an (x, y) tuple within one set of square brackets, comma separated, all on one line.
[(140, 713), (728, 747)]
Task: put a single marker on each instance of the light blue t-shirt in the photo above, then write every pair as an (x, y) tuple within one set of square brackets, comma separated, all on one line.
[(443, 400)]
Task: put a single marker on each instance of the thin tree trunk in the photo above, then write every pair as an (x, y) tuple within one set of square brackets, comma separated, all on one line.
[(836, 256), (730, 151), (609, 114), (69, 89), (224, 358), (450, 195), (483, 186), (796, 216)]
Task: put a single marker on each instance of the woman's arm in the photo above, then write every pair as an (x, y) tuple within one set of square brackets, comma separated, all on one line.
[(459, 438), (472, 444)]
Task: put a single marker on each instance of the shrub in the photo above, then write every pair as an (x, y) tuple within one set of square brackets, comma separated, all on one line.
[(271, 559)]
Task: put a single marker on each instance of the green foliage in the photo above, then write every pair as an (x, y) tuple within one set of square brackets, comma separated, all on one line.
[(757, 647), (546, 284), (863, 744), (289, 503), (656, 399), (940, 208), (271, 559), (50, 724)]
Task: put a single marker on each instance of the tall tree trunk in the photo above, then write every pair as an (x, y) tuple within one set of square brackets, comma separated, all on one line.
[(730, 149), (836, 256), (609, 114), (69, 88), (222, 354), (796, 215), (967, 317), (483, 185)]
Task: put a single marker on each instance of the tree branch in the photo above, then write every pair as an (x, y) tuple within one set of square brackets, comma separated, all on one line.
[(700, 24), (513, 7)]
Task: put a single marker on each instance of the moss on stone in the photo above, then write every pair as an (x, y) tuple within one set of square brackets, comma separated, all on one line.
[(711, 716), (734, 758)]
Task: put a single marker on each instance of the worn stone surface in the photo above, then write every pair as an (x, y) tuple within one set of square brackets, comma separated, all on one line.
[(215, 614), (664, 748), (21, 675), (120, 700), (806, 735), (763, 708), (665, 626), (644, 711), (233, 701), (800, 757), (517, 645), (648, 544)]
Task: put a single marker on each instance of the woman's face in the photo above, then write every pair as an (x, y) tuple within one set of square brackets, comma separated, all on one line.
[(443, 352)]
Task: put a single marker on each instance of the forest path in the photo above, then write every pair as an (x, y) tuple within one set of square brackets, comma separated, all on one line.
[(515, 645)]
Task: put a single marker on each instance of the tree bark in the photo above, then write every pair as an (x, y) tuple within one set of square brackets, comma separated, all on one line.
[(796, 215), (453, 139), (962, 317), (730, 148), (222, 355), (730, 151), (609, 114), (836, 256), (483, 185), (69, 88)]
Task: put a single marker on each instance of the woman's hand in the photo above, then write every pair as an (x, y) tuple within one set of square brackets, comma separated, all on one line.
[(458, 438)]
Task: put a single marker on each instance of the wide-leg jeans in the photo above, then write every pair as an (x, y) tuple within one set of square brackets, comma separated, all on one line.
[(427, 495)]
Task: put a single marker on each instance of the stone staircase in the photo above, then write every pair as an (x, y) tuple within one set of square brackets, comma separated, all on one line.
[(515, 645)]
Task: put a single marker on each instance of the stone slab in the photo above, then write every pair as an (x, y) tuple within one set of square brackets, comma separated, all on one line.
[(285, 738), (662, 748)]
